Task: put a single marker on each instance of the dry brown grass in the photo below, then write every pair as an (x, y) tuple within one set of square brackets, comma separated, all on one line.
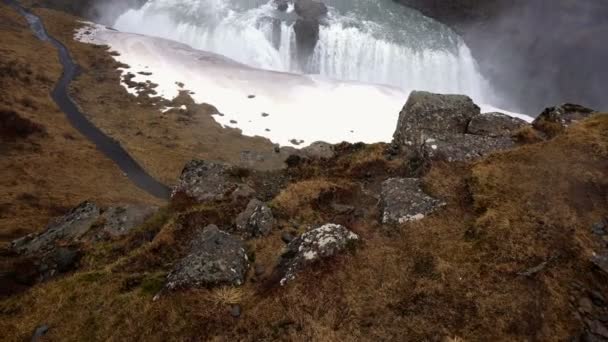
[(45, 174)]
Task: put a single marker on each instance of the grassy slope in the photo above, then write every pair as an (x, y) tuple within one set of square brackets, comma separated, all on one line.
[(45, 174), (454, 274), (162, 143)]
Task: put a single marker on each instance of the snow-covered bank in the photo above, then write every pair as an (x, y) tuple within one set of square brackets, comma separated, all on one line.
[(276, 105)]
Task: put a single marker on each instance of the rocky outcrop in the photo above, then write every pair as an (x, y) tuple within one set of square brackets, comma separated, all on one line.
[(216, 258), (204, 181), (310, 9), (70, 227), (120, 220), (427, 115), (495, 125), (282, 5), (451, 128), (319, 150), (554, 120), (320, 243), (256, 220), (403, 200)]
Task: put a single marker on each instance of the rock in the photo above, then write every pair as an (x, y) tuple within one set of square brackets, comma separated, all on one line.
[(287, 237), (319, 150), (39, 332), (119, 221), (307, 36), (597, 298), (69, 227), (204, 181), (342, 208), (310, 9), (242, 192), (554, 120), (403, 200), (235, 311), (495, 125), (463, 147), (432, 116), (600, 228), (320, 243), (216, 258), (259, 270), (282, 5), (601, 261), (256, 220), (65, 259)]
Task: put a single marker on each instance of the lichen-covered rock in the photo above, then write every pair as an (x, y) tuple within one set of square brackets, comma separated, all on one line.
[(69, 227), (256, 220), (323, 242), (554, 120), (403, 200), (431, 116), (319, 150), (204, 181), (216, 258), (495, 125), (120, 220), (463, 147)]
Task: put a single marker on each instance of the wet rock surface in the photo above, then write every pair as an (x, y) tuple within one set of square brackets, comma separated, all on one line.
[(310, 9), (495, 125), (403, 200), (320, 243), (216, 258), (427, 115), (256, 220), (204, 181), (554, 120)]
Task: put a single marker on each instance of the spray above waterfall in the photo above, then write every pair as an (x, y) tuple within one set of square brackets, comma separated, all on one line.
[(375, 41)]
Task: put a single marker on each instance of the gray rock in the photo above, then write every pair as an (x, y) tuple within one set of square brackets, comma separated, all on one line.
[(601, 261), (322, 242), (65, 259), (555, 119), (495, 125), (319, 150), (120, 220), (216, 258), (259, 270), (242, 192), (342, 208), (463, 147), (282, 5), (40, 331), (403, 200), (310, 9), (287, 237), (600, 228), (205, 181), (256, 220), (71, 227), (432, 116), (307, 36)]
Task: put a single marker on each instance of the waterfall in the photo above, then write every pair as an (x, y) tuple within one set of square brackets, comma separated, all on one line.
[(375, 41)]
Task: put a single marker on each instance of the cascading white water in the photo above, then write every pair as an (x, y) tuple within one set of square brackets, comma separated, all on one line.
[(374, 41)]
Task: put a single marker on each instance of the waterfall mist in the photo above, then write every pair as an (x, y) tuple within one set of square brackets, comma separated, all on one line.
[(360, 40)]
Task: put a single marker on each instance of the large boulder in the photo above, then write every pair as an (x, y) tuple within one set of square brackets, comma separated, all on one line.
[(320, 243), (427, 116), (310, 9), (554, 120), (256, 220), (319, 150), (495, 125), (204, 181), (307, 36), (120, 220), (216, 258), (463, 147), (403, 200), (70, 227)]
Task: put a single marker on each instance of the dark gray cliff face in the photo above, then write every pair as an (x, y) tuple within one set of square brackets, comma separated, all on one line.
[(534, 51)]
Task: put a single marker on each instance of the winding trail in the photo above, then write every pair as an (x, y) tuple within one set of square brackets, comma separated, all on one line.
[(60, 94)]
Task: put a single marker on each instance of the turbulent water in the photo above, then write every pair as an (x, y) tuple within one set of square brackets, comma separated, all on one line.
[(373, 41)]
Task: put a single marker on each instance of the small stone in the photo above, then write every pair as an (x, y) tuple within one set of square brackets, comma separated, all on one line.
[(403, 200), (600, 228), (39, 332), (256, 220), (235, 311), (234, 122), (251, 96), (287, 237), (265, 115), (259, 270), (342, 208)]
